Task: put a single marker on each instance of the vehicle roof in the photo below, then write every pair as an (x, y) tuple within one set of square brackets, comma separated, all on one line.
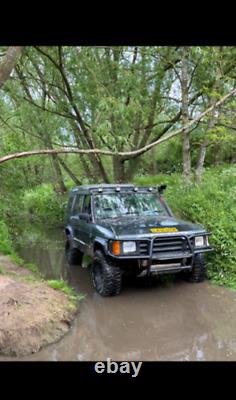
[(86, 189), (103, 186)]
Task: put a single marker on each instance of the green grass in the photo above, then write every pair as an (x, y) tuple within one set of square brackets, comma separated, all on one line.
[(30, 278), (62, 285), (19, 261), (223, 280), (2, 270), (5, 239), (32, 267), (16, 259)]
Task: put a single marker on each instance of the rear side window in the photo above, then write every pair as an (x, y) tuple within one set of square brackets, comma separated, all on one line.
[(87, 204), (78, 204), (69, 205)]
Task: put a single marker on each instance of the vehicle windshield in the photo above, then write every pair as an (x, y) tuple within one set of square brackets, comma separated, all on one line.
[(115, 205)]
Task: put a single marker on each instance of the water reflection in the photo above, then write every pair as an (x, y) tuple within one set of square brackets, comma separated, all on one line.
[(45, 248)]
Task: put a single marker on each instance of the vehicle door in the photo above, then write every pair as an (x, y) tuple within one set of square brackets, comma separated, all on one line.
[(75, 219), (86, 225)]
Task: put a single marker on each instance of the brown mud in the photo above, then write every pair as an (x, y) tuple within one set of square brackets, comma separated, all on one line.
[(32, 315)]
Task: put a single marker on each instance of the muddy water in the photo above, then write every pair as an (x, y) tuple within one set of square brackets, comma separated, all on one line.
[(177, 321)]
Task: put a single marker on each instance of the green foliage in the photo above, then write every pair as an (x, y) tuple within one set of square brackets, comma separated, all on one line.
[(44, 204), (5, 239), (30, 278), (16, 259), (2, 270), (212, 204), (61, 285), (154, 180), (32, 267)]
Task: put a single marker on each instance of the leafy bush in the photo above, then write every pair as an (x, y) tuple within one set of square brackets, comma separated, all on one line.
[(44, 204), (5, 239), (212, 204)]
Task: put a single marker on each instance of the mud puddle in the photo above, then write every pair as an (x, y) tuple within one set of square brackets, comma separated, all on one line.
[(177, 321)]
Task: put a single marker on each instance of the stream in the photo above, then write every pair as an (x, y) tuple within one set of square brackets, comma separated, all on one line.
[(166, 321)]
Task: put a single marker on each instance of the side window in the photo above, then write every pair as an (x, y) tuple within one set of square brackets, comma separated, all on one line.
[(87, 204), (69, 205), (78, 204)]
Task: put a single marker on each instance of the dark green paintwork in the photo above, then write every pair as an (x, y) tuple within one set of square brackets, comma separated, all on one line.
[(86, 235)]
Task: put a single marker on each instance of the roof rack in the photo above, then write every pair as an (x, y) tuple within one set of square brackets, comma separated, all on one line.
[(119, 187)]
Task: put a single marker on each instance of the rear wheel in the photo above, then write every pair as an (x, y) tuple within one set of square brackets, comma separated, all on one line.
[(199, 270), (73, 255), (106, 275)]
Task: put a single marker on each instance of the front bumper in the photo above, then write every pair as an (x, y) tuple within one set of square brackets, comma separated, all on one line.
[(161, 248), (168, 268)]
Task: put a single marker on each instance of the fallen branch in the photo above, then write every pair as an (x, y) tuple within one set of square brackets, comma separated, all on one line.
[(126, 154)]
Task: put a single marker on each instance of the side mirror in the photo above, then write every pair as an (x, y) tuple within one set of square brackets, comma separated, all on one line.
[(85, 217)]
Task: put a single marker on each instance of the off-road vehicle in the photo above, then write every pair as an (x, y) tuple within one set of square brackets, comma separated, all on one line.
[(124, 229)]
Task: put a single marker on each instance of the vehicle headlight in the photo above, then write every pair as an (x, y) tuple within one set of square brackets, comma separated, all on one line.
[(199, 241), (129, 247)]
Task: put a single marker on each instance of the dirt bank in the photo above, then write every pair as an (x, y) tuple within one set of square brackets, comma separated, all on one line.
[(32, 315)]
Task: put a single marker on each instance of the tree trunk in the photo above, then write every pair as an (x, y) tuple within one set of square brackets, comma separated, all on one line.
[(118, 169), (201, 160), (217, 152), (69, 172), (211, 124), (55, 162), (85, 164), (185, 116), (203, 150), (132, 167), (9, 62), (59, 177), (95, 160), (154, 161)]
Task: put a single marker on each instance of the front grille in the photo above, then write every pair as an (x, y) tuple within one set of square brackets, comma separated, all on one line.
[(170, 246), (144, 247)]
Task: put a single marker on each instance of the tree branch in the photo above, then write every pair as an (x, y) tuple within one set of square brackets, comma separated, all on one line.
[(126, 155)]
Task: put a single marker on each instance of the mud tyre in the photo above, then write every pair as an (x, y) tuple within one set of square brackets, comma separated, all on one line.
[(107, 278), (199, 270), (73, 255)]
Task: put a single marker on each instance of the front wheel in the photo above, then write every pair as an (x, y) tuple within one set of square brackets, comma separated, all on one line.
[(73, 255), (199, 270), (106, 276)]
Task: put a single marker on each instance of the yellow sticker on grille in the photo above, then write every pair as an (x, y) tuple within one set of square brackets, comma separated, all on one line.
[(159, 230)]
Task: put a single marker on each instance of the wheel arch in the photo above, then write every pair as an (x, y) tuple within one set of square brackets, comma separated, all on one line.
[(100, 244), (68, 231)]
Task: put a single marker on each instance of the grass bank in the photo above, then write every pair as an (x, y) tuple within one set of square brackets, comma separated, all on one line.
[(32, 313)]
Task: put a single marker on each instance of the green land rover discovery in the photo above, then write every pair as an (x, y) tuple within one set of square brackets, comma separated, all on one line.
[(124, 229)]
